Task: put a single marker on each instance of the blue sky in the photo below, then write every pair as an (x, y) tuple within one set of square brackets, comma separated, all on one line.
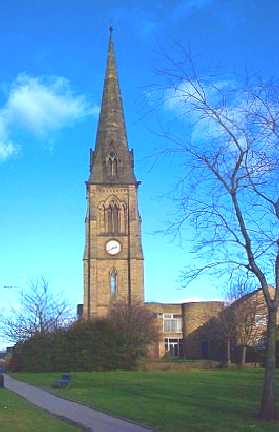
[(53, 58)]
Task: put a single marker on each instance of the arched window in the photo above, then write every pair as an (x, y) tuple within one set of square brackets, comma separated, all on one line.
[(123, 218), (115, 218), (111, 161), (112, 217), (113, 283), (102, 216), (109, 219)]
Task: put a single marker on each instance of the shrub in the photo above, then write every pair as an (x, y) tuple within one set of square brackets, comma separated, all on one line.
[(117, 342)]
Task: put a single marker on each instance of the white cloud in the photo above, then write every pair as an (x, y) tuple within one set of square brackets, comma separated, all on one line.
[(187, 100), (40, 105), (44, 104), (7, 147), (186, 93), (213, 109)]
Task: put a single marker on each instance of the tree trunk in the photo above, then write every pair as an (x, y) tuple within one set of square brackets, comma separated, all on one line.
[(229, 362), (243, 357), (268, 400)]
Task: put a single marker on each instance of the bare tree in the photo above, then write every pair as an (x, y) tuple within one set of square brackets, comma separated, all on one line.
[(221, 328), (39, 313), (246, 305), (227, 322), (236, 325), (230, 190), (137, 325)]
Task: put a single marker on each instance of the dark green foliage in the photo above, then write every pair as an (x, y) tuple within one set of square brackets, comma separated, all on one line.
[(15, 362), (136, 330), (103, 344), (95, 345)]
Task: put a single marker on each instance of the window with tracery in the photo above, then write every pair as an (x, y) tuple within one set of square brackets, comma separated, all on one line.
[(112, 216), (113, 283)]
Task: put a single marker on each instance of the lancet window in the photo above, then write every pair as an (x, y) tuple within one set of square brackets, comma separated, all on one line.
[(112, 216), (111, 163), (113, 283)]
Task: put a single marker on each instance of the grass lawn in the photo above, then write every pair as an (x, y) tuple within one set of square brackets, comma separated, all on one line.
[(191, 401), (18, 415)]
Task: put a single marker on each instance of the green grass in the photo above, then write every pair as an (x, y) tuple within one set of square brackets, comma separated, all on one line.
[(17, 415), (190, 401)]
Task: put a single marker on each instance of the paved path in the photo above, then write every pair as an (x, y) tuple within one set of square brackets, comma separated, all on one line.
[(87, 417)]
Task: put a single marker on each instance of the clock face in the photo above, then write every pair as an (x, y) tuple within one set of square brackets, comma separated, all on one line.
[(113, 247)]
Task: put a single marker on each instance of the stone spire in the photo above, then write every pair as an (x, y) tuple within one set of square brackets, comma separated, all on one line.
[(111, 162)]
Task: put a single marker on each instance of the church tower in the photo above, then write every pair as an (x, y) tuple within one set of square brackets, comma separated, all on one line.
[(113, 257)]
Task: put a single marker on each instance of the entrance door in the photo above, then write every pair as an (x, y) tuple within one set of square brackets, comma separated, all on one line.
[(174, 347)]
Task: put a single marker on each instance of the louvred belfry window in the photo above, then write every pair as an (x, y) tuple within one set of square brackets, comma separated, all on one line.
[(111, 163), (112, 216)]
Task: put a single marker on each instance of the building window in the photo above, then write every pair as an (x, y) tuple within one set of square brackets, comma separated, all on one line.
[(172, 323), (113, 216), (111, 162), (113, 283), (174, 347)]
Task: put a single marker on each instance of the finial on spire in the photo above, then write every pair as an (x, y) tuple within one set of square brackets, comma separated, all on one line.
[(110, 29)]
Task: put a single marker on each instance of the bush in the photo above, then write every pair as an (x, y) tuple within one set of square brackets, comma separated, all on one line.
[(136, 330), (117, 342), (15, 362)]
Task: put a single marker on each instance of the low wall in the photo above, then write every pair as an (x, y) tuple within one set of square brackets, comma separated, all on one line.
[(179, 365)]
